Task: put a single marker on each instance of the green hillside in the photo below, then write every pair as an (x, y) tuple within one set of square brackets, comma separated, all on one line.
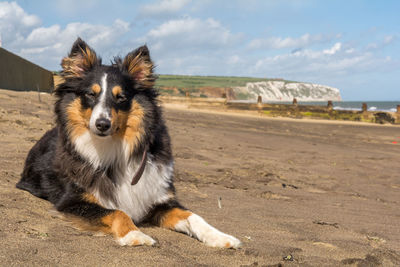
[(193, 82), (184, 83)]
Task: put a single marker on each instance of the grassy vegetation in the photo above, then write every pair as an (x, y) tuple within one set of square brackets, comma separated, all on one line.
[(333, 115), (195, 82), (315, 115)]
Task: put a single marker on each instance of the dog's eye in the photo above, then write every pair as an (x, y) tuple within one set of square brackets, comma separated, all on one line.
[(120, 98), (90, 95)]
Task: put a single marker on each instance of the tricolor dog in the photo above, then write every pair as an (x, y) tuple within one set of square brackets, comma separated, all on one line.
[(107, 164)]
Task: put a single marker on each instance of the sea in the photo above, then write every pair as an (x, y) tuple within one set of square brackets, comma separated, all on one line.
[(387, 106)]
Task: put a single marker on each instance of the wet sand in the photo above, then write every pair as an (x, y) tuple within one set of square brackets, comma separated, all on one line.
[(295, 192)]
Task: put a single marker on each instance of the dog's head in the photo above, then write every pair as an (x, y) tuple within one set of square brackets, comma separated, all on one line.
[(105, 101)]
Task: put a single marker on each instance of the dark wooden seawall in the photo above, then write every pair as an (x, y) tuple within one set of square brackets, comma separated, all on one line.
[(17, 73)]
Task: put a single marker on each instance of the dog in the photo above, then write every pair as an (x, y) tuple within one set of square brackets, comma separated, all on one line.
[(107, 165)]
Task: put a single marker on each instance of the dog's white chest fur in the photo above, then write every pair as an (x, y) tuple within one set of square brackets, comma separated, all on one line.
[(134, 200)]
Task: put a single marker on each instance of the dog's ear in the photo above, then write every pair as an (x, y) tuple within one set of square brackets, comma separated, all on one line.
[(81, 59), (140, 67)]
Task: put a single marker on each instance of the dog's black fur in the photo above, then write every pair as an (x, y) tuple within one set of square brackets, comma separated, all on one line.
[(55, 171), (107, 117)]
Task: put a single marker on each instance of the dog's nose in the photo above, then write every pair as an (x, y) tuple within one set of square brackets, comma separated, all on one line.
[(103, 124)]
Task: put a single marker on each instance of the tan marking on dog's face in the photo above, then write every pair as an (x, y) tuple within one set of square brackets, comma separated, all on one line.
[(118, 223), (172, 217), (130, 124), (90, 198), (96, 88), (78, 119), (114, 121), (116, 90)]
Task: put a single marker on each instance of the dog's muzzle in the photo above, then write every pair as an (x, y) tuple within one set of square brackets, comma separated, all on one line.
[(103, 126)]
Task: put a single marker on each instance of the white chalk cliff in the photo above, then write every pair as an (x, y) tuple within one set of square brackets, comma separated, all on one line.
[(286, 91)]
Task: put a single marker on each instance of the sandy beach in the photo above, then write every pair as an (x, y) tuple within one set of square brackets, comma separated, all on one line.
[(295, 192)]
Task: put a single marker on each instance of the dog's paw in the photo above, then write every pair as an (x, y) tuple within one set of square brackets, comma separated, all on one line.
[(136, 238), (221, 240)]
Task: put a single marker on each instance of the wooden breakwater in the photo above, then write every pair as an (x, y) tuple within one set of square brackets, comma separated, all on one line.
[(293, 110)]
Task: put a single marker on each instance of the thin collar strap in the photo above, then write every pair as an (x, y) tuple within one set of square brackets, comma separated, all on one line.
[(140, 170)]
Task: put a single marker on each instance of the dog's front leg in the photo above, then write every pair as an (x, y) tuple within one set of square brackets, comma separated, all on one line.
[(187, 222), (88, 215), (124, 230)]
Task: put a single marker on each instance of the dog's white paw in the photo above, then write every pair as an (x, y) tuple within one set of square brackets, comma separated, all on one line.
[(196, 226), (136, 238), (221, 240)]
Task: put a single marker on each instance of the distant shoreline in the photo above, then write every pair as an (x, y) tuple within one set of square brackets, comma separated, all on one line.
[(386, 106)]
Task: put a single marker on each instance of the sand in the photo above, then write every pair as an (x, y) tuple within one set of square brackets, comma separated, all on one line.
[(295, 192)]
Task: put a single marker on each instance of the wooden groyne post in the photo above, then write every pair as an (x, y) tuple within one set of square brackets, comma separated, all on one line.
[(259, 103), (259, 100), (364, 107), (398, 114), (330, 107), (364, 111)]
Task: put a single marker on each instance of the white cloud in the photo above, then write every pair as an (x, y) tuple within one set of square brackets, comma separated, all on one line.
[(330, 63), (192, 46), (23, 34), (190, 34), (162, 8), (56, 41), (333, 50), (289, 42), (15, 23), (42, 36)]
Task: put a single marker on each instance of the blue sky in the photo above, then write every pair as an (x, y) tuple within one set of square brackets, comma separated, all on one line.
[(352, 45)]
